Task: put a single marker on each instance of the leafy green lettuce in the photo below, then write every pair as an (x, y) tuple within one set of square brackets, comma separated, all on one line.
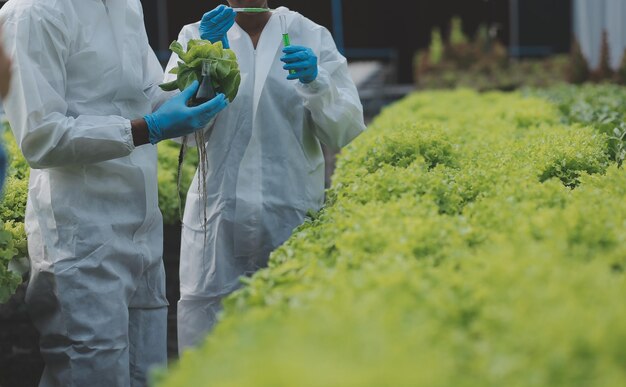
[(225, 74)]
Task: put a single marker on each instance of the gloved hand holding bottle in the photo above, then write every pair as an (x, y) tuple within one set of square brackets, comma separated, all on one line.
[(176, 119), (303, 62), (216, 23)]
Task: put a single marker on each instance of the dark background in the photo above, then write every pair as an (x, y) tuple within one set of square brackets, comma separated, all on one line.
[(394, 31)]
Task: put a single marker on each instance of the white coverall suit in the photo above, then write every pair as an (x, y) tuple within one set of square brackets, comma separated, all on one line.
[(266, 167), (82, 70)]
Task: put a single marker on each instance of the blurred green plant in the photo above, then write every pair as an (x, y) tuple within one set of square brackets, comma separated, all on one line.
[(457, 37), (171, 198), (436, 47), (484, 64), (12, 208)]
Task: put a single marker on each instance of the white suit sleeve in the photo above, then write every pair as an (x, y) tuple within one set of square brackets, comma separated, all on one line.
[(332, 99), (153, 74), (38, 42), (153, 78)]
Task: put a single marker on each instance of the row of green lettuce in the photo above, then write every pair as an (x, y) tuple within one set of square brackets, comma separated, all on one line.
[(13, 202), (12, 206), (468, 240)]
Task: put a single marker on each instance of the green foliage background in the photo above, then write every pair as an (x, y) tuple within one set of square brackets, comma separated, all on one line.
[(468, 240), (482, 63), (168, 172)]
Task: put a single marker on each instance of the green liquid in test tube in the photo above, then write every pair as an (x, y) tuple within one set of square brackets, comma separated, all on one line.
[(252, 10), (286, 40)]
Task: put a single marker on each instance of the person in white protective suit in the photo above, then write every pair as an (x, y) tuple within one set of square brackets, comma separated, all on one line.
[(84, 105), (265, 162)]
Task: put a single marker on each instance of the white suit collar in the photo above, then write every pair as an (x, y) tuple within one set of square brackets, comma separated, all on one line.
[(269, 43)]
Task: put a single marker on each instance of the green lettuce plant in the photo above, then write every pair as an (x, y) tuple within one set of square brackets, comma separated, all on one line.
[(12, 207), (225, 74)]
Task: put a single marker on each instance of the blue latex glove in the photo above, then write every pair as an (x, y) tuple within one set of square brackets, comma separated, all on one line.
[(216, 23), (303, 61), (175, 119)]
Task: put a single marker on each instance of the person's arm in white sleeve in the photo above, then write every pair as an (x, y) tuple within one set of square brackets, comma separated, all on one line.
[(153, 78), (332, 98), (38, 42), (153, 75)]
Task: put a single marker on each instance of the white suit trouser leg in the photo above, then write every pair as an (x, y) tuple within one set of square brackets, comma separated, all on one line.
[(196, 318), (147, 333), (89, 334)]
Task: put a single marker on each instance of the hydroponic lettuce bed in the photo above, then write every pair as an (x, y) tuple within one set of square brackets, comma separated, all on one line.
[(469, 240)]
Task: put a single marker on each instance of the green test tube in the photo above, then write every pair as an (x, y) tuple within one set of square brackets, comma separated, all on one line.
[(286, 39), (252, 10)]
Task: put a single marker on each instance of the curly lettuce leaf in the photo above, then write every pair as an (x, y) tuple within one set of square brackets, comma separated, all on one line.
[(224, 68)]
